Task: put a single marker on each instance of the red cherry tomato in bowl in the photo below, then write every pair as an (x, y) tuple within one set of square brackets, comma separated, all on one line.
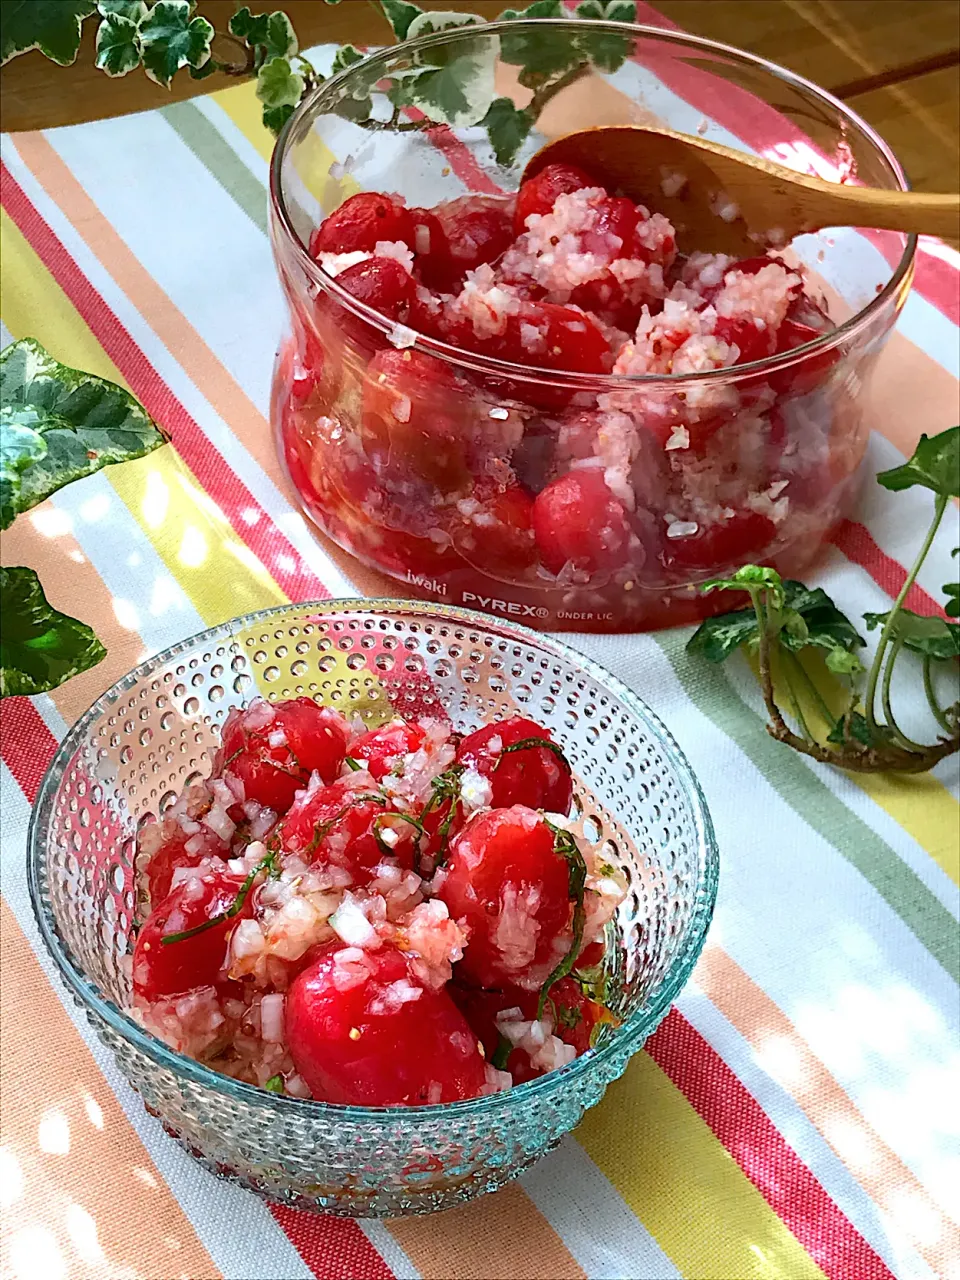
[(538, 777)]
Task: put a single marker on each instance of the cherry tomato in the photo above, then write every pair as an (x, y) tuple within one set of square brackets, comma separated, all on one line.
[(360, 223), (356, 1036), (744, 537), (539, 194), (805, 376), (412, 419), (379, 748), (535, 776), (494, 531), (478, 229), (164, 969), (505, 878), (754, 343), (578, 520), (173, 854), (275, 759), (382, 283), (339, 825), (549, 336)]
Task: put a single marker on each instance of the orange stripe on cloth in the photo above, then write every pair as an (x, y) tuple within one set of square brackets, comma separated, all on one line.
[(784, 1054), (471, 1242), (82, 1196)]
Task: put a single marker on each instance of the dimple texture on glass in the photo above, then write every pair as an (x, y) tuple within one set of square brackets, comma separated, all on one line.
[(126, 759)]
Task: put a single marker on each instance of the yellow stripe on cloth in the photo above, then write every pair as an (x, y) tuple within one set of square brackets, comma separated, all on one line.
[(684, 1187), (312, 159)]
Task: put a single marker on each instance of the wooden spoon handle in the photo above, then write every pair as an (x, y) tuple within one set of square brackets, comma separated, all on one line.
[(917, 211)]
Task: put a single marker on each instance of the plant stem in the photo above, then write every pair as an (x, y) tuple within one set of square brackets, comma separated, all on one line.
[(874, 676), (907, 743), (543, 95), (928, 689)]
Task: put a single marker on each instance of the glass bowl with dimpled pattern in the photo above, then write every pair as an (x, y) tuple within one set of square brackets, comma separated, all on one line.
[(124, 761)]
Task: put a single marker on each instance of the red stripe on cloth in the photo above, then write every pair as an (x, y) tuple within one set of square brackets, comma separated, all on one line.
[(766, 130), (277, 555), (333, 1248), (461, 158), (740, 1123), (858, 545), (26, 744)]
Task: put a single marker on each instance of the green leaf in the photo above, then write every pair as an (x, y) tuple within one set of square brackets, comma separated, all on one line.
[(854, 727), (272, 34), (608, 10), (118, 47), (539, 9), (541, 55), (274, 118), (346, 56), (135, 10), (929, 636), (751, 575), (52, 26), (86, 423), (278, 85), (209, 68), (824, 627), (952, 591), (935, 465), (716, 638), (275, 1083), (21, 445), (249, 27), (605, 49), (39, 647), (400, 15), (508, 129), (171, 39)]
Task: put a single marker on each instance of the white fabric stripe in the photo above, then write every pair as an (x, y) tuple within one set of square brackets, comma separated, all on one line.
[(236, 1228), (852, 272), (798, 1131), (871, 993), (601, 1231), (247, 470), (146, 596), (395, 1257)]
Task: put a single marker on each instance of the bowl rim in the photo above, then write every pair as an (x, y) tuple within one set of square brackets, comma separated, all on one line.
[(847, 331), (637, 1027)]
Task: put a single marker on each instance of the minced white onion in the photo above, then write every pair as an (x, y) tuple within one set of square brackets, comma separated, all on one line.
[(271, 1018)]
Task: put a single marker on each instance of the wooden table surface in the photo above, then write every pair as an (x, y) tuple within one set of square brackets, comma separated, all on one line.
[(896, 62)]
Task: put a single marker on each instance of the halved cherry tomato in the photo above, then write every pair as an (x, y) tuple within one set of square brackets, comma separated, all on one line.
[(360, 223), (379, 748), (534, 776)]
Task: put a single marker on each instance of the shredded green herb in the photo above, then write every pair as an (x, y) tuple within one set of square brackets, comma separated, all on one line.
[(566, 846), (274, 1084), (382, 845), (355, 765), (501, 1054), (323, 829), (266, 863), (446, 788), (525, 744)]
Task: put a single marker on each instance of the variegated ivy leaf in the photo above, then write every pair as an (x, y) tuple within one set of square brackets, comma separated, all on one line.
[(608, 10), (274, 118), (52, 26), (135, 10), (400, 14), (454, 83), (346, 56), (40, 647), (541, 55), (118, 45), (270, 34), (278, 85), (605, 49), (84, 422), (508, 128), (171, 39)]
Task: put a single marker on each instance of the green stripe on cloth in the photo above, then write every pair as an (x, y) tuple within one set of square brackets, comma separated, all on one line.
[(710, 691), (194, 129)]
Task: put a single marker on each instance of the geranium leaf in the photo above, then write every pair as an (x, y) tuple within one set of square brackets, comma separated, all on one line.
[(171, 39), (508, 129), (935, 465), (931, 637), (40, 647), (278, 85), (86, 423), (52, 26), (118, 47), (400, 15)]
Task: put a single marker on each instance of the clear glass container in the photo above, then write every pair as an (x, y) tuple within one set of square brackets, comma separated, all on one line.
[(126, 760), (425, 460)]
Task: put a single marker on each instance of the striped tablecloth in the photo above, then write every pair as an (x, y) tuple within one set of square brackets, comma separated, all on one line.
[(796, 1114)]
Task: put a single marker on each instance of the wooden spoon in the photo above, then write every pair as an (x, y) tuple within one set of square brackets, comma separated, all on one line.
[(723, 201)]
